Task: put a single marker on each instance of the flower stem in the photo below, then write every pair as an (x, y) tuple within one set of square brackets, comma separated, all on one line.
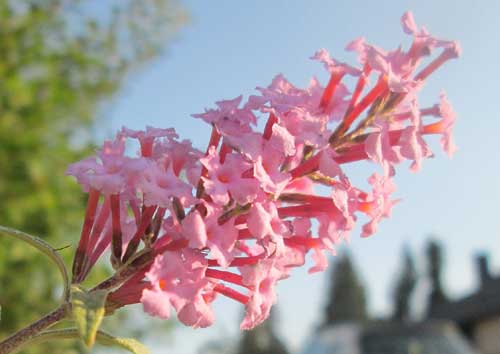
[(44, 247), (10, 344)]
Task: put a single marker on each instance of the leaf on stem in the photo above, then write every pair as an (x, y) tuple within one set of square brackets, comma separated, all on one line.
[(88, 310), (103, 338), (130, 344)]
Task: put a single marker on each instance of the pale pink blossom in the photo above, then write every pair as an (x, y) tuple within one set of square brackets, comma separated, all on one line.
[(333, 66), (179, 156), (379, 203), (229, 118), (266, 226), (159, 186), (271, 179), (262, 278), (146, 138), (225, 180), (412, 144), (445, 125), (177, 280), (105, 173), (207, 233), (408, 23), (327, 164), (379, 149)]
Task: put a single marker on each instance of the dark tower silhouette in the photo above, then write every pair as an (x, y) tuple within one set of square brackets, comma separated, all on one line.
[(405, 285), (346, 299)]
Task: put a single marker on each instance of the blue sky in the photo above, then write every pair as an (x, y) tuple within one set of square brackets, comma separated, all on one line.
[(230, 47)]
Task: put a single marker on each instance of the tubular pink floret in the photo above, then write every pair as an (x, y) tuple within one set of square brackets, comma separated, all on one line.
[(370, 97), (98, 225), (88, 222), (238, 261), (268, 130), (303, 241), (307, 210), (225, 276), (81, 256), (214, 138), (175, 245), (448, 53), (306, 167), (224, 150), (146, 216), (231, 293), (434, 128), (115, 220), (360, 85), (99, 249), (330, 89), (135, 210)]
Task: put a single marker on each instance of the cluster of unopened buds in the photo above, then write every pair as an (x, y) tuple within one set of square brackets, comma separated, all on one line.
[(190, 225)]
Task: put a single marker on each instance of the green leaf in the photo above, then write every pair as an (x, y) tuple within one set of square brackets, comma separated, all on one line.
[(44, 247), (130, 344), (88, 311), (103, 338)]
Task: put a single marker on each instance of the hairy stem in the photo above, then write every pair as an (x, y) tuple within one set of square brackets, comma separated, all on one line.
[(10, 344), (44, 247), (18, 339), (139, 261)]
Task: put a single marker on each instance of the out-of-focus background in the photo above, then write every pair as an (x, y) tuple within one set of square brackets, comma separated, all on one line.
[(73, 72)]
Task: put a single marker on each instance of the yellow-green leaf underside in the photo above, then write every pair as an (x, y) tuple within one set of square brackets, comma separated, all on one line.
[(88, 310)]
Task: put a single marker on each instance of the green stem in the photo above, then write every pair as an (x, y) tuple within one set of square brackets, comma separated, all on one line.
[(44, 247)]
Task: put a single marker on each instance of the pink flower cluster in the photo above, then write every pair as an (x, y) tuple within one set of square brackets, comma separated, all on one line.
[(237, 218)]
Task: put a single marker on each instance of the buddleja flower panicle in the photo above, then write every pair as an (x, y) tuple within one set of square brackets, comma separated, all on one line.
[(235, 219)]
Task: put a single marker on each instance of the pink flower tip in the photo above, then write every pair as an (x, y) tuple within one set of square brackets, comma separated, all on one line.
[(408, 23)]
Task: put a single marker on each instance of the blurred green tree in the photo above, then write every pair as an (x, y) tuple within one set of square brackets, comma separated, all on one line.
[(435, 261), (346, 298), (60, 60), (262, 339), (404, 287)]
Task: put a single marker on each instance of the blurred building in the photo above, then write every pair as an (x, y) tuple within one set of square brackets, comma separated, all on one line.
[(478, 314), (347, 329), (389, 337)]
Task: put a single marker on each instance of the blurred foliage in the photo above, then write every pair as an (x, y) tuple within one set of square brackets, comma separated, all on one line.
[(59, 62), (346, 298), (404, 287), (262, 339), (435, 260)]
